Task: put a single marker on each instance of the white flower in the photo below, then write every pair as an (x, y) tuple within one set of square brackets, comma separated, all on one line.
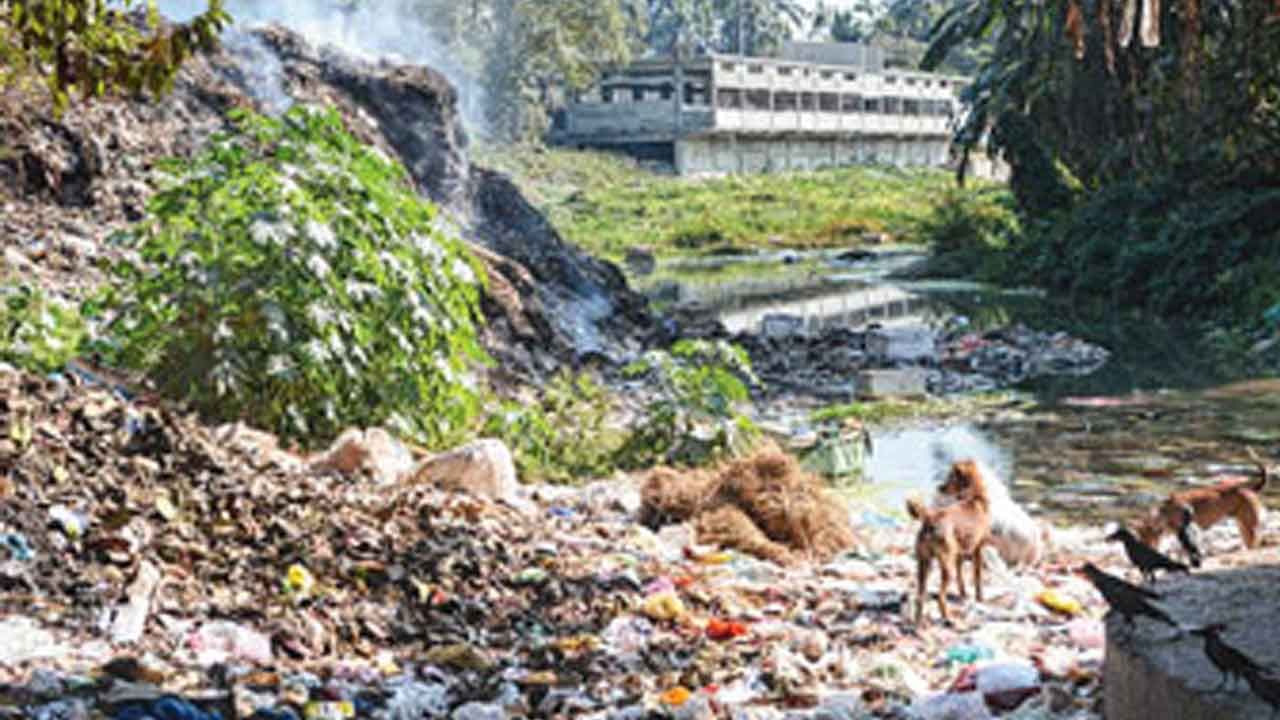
[(428, 247), (319, 315), (462, 271), (318, 266), (320, 234), (267, 233), (316, 350), (278, 365)]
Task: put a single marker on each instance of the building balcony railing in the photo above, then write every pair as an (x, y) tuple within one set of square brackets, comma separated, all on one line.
[(657, 119)]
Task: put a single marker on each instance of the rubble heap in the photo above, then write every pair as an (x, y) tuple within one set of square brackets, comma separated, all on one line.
[(68, 183), (825, 364)]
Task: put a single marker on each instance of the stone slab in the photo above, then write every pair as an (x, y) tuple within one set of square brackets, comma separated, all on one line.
[(899, 382), (1150, 673), (902, 343)]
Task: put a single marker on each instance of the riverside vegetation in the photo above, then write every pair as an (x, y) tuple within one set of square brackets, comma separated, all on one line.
[(608, 204)]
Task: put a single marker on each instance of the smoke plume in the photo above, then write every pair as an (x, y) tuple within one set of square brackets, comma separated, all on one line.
[(371, 31)]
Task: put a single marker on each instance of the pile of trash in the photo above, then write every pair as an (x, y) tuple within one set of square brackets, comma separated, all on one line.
[(791, 359), (1007, 356), (154, 567)]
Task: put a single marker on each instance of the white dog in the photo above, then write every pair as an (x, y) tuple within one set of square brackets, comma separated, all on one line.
[(1016, 536)]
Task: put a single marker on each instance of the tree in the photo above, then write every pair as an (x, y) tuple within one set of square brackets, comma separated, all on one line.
[(1062, 88), (93, 48), (537, 48)]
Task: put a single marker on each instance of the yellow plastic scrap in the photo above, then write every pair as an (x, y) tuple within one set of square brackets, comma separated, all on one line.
[(676, 696), (663, 606), (1059, 603), (299, 581), (578, 643)]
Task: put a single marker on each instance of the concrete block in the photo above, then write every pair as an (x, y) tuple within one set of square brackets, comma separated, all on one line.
[(901, 382), (1150, 672), (902, 343), (780, 325)]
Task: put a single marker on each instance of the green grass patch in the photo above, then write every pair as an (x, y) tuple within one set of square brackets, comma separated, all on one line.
[(607, 203), (890, 411)]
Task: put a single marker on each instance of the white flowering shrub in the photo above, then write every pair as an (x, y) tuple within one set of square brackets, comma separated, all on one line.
[(292, 278)]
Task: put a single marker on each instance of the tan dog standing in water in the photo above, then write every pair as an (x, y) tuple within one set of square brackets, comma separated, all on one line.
[(1235, 497), (952, 534)]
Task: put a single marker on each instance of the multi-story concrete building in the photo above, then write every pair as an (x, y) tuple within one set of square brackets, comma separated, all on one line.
[(726, 113)]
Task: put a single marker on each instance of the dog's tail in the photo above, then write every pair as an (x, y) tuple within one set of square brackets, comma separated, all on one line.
[(1264, 473), (916, 509)]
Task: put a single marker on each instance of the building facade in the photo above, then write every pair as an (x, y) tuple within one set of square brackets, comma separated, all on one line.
[(726, 113)]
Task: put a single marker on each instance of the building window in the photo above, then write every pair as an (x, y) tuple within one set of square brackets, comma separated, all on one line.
[(890, 80), (728, 67), (829, 102), (827, 74), (850, 104), (758, 100), (637, 94), (755, 69), (808, 102), (784, 70), (871, 105), (729, 98), (785, 101), (851, 77)]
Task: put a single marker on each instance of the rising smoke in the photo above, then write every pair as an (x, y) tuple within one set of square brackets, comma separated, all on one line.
[(371, 31)]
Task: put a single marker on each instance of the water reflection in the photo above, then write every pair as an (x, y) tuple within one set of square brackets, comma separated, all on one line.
[(913, 460)]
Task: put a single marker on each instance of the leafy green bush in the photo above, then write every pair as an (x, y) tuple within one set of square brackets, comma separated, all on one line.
[(291, 277), (969, 232), (562, 436), (38, 332), (695, 416)]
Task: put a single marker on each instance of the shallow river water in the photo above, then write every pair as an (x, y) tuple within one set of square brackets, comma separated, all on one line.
[(1101, 446)]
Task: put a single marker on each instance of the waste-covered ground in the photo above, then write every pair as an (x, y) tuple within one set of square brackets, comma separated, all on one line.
[(154, 567)]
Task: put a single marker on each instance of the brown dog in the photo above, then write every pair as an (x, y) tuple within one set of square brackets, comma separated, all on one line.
[(1236, 497), (952, 534)]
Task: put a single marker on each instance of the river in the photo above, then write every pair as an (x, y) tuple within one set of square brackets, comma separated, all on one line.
[(1101, 446)]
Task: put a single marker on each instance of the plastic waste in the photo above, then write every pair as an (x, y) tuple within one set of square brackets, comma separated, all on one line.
[(664, 606), (968, 654), (72, 523), (479, 711), (841, 706), (298, 581), (952, 706), (17, 545), (718, 629), (75, 709), (329, 710), (1059, 603), (676, 696), (627, 634), (218, 641), (169, 707), (25, 640), (413, 700), (1087, 633), (530, 576), (1007, 685)]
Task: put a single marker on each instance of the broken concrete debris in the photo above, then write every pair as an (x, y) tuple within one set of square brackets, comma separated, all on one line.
[(840, 363)]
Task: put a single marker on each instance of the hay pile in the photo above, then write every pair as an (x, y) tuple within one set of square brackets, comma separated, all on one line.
[(764, 504)]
